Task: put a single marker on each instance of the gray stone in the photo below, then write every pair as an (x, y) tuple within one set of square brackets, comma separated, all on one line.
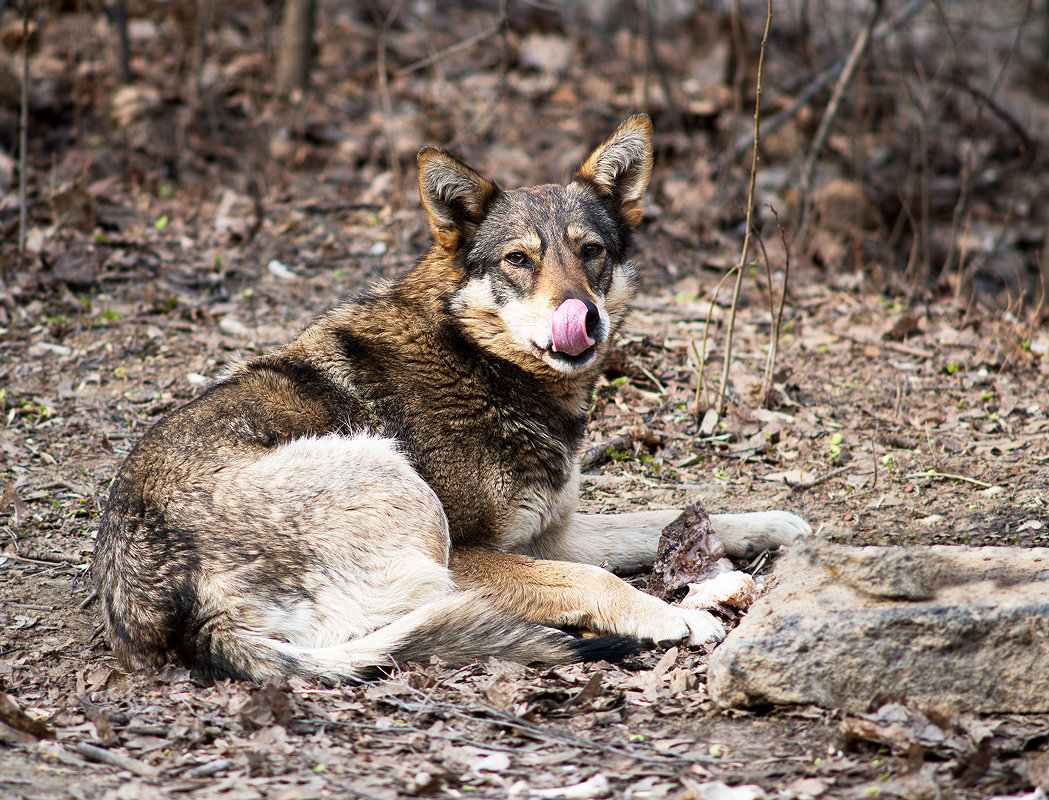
[(855, 627)]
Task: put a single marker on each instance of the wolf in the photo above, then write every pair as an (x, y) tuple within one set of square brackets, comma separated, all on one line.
[(401, 480)]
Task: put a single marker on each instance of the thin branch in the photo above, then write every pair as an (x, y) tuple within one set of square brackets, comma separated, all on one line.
[(503, 26), (103, 756), (117, 13), (450, 51), (601, 452), (701, 355), (776, 314), (384, 97), (848, 71), (652, 64), (655, 381), (801, 486), (482, 712), (899, 347), (750, 214), (1027, 144), (932, 474), (819, 82), (23, 141), (967, 171)]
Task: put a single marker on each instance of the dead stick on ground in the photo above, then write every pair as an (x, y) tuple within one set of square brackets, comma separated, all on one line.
[(847, 73), (948, 476), (103, 756), (899, 347), (599, 453), (750, 215), (801, 486), (648, 374), (45, 560)]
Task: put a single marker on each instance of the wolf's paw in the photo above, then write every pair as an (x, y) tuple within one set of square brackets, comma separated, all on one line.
[(746, 534), (665, 624), (703, 627)]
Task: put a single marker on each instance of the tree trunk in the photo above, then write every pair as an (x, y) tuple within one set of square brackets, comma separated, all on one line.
[(296, 46)]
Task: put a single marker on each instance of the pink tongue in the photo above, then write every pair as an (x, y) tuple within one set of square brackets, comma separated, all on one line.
[(568, 328)]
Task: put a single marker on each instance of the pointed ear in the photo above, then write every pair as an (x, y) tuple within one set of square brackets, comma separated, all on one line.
[(620, 168), (455, 197)]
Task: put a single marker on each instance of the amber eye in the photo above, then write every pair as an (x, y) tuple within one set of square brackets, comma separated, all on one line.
[(518, 259), (592, 251)]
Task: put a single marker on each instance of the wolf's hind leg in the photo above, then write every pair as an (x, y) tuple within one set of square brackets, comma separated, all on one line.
[(367, 580), (620, 540), (337, 536), (747, 534)]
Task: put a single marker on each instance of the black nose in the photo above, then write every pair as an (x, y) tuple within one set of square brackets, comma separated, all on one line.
[(593, 317)]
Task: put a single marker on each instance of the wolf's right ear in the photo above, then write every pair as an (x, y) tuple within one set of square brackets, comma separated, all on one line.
[(456, 197)]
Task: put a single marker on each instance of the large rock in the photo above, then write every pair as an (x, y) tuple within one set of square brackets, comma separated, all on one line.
[(854, 627)]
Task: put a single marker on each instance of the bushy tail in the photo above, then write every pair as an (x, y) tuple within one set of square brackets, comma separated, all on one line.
[(459, 628)]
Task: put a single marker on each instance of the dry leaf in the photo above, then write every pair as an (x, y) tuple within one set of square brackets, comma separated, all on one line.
[(15, 717)]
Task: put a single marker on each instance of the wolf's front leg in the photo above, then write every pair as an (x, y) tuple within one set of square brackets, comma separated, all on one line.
[(562, 594), (620, 540), (747, 534)]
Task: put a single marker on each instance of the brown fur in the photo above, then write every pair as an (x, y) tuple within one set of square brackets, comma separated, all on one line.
[(387, 485)]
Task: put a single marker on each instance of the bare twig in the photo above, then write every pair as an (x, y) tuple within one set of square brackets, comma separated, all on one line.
[(899, 347), (599, 453), (478, 711), (384, 97), (652, 64), (48, 559), (932, 474), (847, 73), (450, 51), (44, 560), (23, 140), (13, 716), (815, 85), (983, 100), (296, 47), (655, 381), (502, 25), (775, 313), (750, 214), (701, 355), (117, 13), (102, 756), (801, 486), (739, 77), (1027, 144)]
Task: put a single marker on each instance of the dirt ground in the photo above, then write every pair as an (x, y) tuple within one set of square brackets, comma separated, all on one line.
[(191, 218)]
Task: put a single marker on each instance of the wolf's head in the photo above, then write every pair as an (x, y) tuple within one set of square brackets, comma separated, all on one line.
[(544, 282)]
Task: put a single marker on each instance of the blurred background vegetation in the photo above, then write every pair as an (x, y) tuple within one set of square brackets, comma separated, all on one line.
[(902, 146)]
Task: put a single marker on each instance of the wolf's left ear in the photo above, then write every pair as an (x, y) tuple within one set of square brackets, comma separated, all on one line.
[(620, 168), (456, 197)]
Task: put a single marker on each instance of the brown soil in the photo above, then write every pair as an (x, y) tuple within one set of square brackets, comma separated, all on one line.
[(904, 410)]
